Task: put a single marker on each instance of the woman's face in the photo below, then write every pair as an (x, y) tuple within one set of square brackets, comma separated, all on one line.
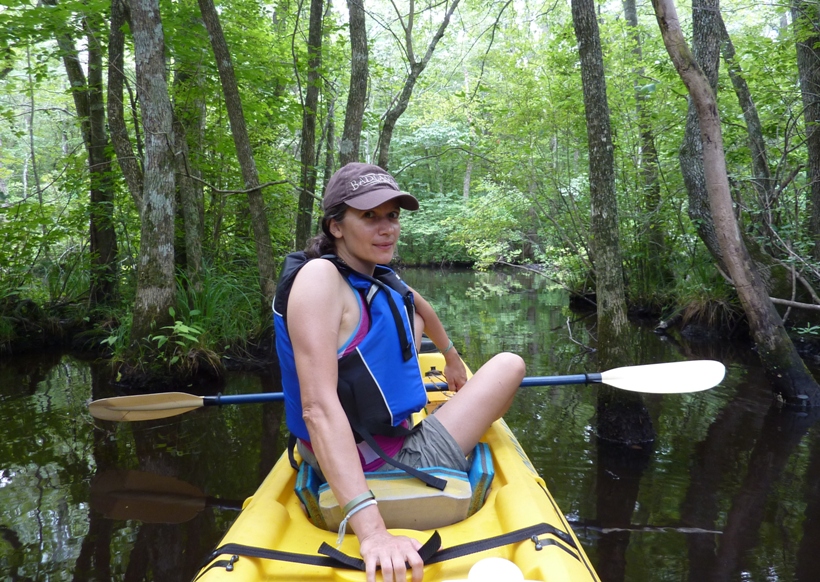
[(365, 238)]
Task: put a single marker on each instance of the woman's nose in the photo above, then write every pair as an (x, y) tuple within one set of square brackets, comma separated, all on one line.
[(386, 225)]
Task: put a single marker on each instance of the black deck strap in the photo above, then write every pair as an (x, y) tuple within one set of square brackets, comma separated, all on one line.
[(427, 478), (506, 539), (267, 554), (291, 446), (429, 552), (426, 552)]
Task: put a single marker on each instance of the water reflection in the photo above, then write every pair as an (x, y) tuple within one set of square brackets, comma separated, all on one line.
[(729, 490)]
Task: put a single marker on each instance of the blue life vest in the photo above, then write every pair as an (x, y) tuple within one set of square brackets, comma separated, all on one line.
[(380, 383)]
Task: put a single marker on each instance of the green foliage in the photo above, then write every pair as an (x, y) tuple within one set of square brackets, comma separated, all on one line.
[(220, 317), (176, 343), (493, 143), (490, 225), (810, 330), (428, 236), (703, 297), (227, 307)]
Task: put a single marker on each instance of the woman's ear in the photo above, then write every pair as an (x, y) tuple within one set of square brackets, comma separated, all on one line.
[(334, 228)]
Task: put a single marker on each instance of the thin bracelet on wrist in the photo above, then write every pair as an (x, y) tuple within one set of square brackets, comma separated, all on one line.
[(356, 501), (343, 526), (448, 348)]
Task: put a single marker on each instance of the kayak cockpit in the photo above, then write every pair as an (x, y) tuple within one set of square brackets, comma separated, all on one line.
[(404, 501)]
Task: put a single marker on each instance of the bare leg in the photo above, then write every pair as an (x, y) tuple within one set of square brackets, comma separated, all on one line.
[(482, 400)]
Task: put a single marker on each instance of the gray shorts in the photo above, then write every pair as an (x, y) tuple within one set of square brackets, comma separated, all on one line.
[(428, 446)]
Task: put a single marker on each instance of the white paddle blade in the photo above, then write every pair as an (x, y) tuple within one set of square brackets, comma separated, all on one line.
[(144, 406), (670, 378)]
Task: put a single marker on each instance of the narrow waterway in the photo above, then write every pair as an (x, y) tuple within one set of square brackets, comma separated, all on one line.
[(729, 491)]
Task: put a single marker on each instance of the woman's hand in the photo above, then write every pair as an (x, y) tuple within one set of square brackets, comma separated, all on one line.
[(393, 554), (454, 370)]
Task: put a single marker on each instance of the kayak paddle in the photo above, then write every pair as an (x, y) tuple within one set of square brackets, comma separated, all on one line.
[(150, 498), (668, 378), (165, 404)]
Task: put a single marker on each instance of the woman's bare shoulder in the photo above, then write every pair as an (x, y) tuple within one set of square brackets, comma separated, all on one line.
[(319, 268), (318, 275)]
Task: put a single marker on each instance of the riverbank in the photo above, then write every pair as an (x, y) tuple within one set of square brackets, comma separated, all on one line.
[(27, 327)]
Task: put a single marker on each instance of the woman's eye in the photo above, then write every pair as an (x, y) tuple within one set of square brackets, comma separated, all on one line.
[(394, 215)]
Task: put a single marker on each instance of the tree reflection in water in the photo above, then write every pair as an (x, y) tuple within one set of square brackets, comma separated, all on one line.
[(729, 490)]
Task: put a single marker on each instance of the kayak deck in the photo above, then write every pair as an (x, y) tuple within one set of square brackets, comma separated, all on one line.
[(273, 519)]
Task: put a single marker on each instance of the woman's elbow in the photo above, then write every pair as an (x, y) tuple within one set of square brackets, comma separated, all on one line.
[(315, 417)]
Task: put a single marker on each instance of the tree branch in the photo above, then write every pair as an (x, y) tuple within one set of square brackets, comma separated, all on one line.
[(438, 155)]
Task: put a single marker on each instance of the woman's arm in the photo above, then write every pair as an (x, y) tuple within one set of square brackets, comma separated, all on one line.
[(454, 369), (320, 301)]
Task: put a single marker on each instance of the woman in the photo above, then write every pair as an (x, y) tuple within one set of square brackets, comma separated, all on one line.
[(329, 313)]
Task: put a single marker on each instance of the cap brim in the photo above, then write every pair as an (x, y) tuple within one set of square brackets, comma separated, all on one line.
[(379, 197)]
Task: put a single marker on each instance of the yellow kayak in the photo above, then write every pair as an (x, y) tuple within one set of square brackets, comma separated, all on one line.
[(274, 538)]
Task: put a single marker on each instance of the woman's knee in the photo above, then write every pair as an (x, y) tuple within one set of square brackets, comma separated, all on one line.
[(511, 364)]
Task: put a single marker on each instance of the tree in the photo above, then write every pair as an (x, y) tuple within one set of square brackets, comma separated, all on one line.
[(605, 238), (622, 417), (707, 34), (788, 374), (156, 285), (357, 94), (90, 105), (763, 182), (805, 17), (244, 152), (653, 230), (128, 162), (307, 182), (189, 108), (415, 69)]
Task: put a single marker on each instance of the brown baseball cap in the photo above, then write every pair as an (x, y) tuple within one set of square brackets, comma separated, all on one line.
[(365, 186)]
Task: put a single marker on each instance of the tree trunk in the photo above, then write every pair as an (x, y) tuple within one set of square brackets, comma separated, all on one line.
[(604, 220), (416, 68), (156, 286), (806, 15), (707, 36), (357, 94), (189, 196), (90, 106), (764, 185), (188, 116), (129, 164), (789, 376), (652, 229), (622, 416), (244, 152), (331, 142), (104, 270), (468, 170), (307, 181)]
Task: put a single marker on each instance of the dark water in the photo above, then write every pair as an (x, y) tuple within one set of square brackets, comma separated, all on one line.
[(730, 490)]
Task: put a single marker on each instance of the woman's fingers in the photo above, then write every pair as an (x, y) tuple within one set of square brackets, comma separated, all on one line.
[(393, 554), (416, 564), (456, 375)]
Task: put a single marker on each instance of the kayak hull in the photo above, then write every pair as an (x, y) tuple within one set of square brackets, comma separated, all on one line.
[(273, 519)]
